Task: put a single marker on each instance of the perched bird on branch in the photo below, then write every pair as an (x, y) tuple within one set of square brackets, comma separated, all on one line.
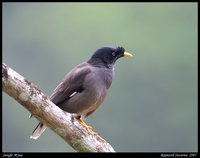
[(85, 87)]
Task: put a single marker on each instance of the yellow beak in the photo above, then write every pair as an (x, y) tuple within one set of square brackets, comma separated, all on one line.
[(126, 54)]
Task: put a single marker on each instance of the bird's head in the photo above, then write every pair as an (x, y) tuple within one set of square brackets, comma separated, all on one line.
[(107, 56)]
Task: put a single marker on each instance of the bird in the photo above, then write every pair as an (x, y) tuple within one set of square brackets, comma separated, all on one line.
[(85, 87)]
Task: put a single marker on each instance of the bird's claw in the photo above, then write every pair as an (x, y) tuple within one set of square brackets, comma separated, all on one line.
[(89, 128)]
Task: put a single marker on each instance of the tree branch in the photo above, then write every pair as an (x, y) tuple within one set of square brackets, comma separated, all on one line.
[(62, 123)]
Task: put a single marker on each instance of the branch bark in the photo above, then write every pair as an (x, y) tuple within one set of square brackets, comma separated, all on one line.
[(62, 123)]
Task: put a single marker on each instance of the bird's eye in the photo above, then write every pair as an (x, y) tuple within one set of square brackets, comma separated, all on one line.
[(113, 54)]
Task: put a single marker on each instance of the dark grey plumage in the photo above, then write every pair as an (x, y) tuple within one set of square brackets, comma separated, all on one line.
[(85, 87)]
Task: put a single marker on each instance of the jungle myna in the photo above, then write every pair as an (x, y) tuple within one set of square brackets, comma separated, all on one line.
[(85, 87)]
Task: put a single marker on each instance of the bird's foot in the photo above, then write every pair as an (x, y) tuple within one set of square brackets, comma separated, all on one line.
[(89, 128)]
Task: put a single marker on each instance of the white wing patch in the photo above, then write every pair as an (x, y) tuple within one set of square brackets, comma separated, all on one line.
[(73, 94)]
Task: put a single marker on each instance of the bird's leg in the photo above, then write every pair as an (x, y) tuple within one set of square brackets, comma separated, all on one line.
[(89, 128)]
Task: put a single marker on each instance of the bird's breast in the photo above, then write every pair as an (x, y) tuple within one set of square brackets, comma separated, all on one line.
[(95, 86), (106, 76)]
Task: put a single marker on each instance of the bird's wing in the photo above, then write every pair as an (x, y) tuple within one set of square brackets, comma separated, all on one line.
[(72, 84)]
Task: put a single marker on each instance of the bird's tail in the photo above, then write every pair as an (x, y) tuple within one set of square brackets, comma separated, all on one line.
[(38, 131)]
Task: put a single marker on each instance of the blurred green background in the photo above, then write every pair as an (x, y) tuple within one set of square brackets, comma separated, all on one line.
[(152, 103)]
